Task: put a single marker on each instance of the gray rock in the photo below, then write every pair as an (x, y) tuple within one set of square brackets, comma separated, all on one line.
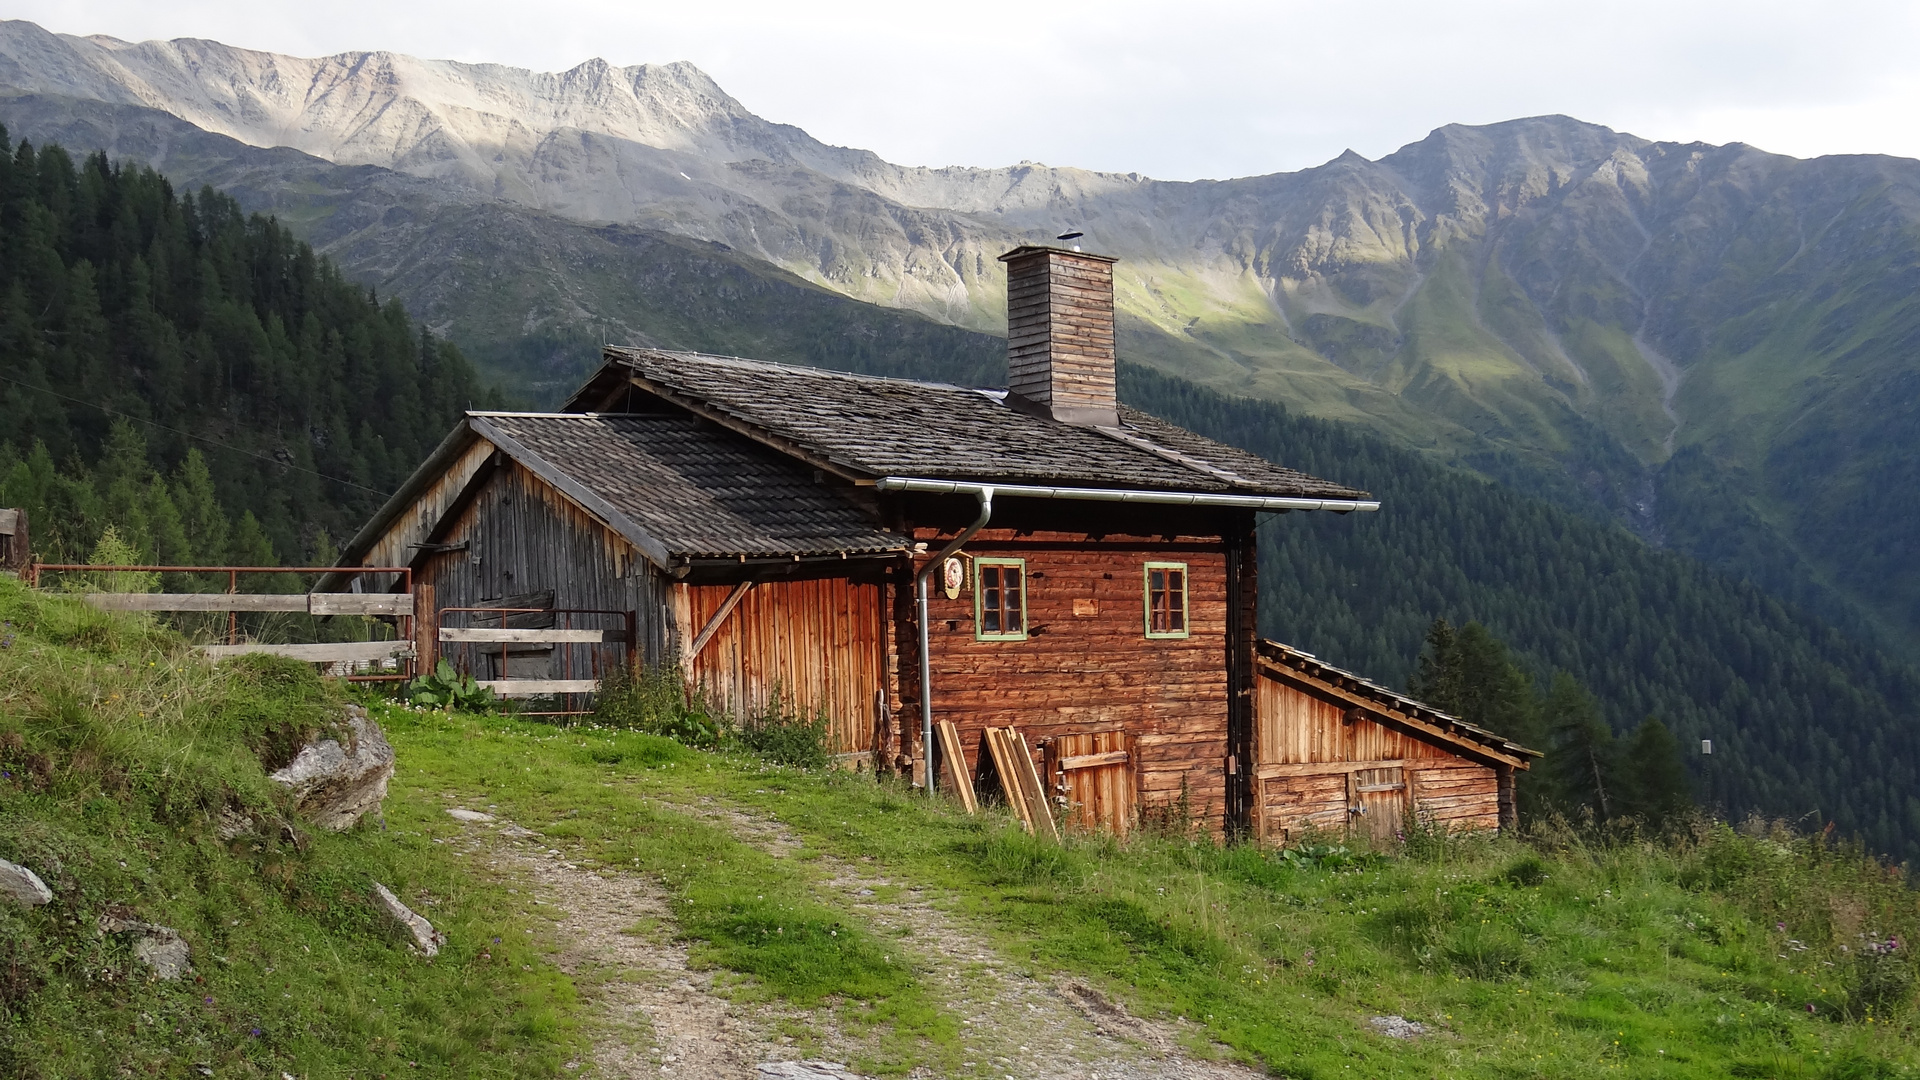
[(425, 938), (459, 814), (334, 785), (1397, 1027), (230, 824), (804, 1070), (23, 886), (159, 947)]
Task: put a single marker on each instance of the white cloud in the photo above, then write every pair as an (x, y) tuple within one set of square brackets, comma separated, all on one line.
[(1196, 89)]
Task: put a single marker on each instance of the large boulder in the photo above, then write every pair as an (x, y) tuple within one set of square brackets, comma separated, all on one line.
[(23, 886), (333, 783)]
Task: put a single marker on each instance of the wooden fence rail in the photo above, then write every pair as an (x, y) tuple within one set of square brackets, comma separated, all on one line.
[(298, 603)]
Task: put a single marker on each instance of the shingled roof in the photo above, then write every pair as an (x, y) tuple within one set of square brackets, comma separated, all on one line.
[(867, 427), (693, 487)]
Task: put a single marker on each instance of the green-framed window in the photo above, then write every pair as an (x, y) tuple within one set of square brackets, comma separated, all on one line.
[(1000, 599), (1166, 596)]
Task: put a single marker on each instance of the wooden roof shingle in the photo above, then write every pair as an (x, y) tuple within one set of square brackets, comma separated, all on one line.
[(866, 427), (696, 489)]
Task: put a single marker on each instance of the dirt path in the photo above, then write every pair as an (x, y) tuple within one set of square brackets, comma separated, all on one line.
[(1014, 1023), (659, 1018)]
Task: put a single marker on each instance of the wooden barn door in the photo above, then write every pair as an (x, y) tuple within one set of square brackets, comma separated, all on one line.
[(1377, 802), (819, 646), (1094, 772)]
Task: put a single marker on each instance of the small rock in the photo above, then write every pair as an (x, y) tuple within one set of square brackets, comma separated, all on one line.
[(1397, 1027), (231, 824), (516, 832), (804, 1070), (458, 814), (23, 886), (425, 937), (333, 785), (159, 947)]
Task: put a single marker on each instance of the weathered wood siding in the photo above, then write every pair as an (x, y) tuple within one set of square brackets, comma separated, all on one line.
[(1087, 664), (1322, 765), (395, 546), (1093, 772), (524, 537), (819, 644)]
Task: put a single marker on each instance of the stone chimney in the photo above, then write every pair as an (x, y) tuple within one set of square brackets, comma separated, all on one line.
[(1060, 335)]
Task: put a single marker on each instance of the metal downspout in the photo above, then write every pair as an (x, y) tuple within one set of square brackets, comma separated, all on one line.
[(985, 495)]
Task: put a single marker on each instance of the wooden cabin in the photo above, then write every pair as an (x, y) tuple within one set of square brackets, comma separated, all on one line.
[(888, 552)]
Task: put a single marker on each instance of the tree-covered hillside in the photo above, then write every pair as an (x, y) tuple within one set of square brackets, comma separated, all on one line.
[(306, 401), (194, 375), (1805, 721)]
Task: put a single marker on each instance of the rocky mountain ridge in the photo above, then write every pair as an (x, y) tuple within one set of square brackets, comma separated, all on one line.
[(1709, 342)]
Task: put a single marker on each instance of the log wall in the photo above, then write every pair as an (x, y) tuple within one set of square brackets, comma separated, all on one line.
[(1087, 664)]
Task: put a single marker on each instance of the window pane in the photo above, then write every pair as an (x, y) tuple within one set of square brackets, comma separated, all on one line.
[(1015, 620), (1176, 601)]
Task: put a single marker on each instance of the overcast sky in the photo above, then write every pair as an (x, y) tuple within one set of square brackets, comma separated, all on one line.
[(1178, 91)]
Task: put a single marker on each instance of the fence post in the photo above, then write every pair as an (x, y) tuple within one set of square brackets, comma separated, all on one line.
[(426, 630)]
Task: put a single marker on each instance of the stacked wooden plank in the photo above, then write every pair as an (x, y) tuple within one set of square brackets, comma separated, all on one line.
[(1021, 781)]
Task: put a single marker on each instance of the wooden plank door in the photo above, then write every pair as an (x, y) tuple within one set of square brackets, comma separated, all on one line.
[(1094, 772), (1377, 802)]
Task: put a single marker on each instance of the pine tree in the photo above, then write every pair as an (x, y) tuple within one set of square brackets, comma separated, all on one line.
[(1655, 786), (1581, 755), (1437, 682)]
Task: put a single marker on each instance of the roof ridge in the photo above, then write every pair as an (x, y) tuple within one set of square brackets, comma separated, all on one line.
[(852, 376)]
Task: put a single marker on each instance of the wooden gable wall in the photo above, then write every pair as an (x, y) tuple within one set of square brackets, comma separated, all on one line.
[(1323, 765), (522, 537)]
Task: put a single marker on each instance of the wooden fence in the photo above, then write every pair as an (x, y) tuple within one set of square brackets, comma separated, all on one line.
[(393, 605)]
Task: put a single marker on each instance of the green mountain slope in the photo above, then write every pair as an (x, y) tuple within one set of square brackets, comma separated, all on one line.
[(1804, 720), (1807, 720), (1709, 343), (529, 296), (141, 331)]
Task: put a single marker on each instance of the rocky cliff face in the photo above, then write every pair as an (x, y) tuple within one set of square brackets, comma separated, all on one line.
[(1712, 341)]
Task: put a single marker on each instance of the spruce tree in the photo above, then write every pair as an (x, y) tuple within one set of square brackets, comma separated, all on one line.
[(1655, 786), (1581, 762)]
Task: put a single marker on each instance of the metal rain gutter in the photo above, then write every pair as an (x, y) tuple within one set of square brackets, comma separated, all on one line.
[(1273, 504), (985, 494)]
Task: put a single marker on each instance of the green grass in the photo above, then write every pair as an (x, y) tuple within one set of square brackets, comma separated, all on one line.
[(117, 750), (1555, 958), (596, 794), (1716, 953)]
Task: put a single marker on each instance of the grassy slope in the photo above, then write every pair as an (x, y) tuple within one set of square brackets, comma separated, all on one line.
[(1571, 961), (1566, 960), (117, 750)]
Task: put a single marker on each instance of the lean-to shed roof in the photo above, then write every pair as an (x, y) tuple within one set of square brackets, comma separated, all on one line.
[(1397, 710)]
